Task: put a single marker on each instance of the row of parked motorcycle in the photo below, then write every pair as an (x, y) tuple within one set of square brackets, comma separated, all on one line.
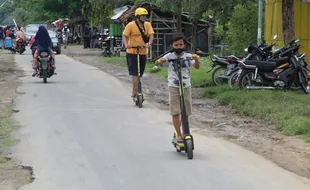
[(264, 68)]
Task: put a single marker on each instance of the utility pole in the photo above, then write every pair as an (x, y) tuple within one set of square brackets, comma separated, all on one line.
[(260, 22)]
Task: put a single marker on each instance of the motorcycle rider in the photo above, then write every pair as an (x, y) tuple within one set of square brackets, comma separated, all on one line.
[(33, 44), (43, 42), (21, 35)]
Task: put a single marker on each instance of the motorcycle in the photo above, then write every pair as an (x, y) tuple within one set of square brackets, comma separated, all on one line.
[(45, 65), (59, 36), (261, 53), (226, 66), (229, 65), (20, 46), (106, 46), (279, 72)]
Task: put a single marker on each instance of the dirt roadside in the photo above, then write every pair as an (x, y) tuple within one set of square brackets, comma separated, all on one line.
[(215, 120), (12, 176)]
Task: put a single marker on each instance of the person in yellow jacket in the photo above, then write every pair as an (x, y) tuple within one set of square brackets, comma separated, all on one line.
[(133, 36)]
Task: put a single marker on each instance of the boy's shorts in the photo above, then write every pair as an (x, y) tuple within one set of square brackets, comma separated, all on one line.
[(174, 100), (132, 63)]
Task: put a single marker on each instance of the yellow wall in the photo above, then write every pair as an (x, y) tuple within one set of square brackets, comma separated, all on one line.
[(273, 24)]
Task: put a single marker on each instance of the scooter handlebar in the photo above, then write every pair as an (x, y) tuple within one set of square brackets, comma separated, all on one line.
[(136, 47), (181, 59)]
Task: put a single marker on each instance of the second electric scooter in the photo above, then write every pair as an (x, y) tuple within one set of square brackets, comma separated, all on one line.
[(188, 141), (139, 99)]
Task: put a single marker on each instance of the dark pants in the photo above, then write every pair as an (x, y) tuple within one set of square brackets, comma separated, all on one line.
[(132, 63), (86, 42)]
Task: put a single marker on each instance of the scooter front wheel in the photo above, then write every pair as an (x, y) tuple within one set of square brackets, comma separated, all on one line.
[(140, 101), (189, 149)]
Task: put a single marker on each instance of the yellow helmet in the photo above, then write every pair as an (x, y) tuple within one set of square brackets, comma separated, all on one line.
[(141, 11)]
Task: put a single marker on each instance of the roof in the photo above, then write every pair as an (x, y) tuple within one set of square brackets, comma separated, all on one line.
[(118, 12), (123, 13)]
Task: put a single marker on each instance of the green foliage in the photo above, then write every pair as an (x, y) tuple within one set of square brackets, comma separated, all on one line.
[(99, 14), (235, 19), (219, 34), (242, 28)]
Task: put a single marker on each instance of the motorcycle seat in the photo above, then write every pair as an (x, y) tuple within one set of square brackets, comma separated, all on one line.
[(280, 60), (262, 65)]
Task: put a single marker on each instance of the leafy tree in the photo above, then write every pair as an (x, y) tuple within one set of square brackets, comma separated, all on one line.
[(5, 14), (21, 16), (242, 28)]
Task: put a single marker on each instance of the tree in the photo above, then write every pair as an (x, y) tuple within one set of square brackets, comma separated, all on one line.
[(242, 28), (196, 8), (168, 5), (21, 16), (288, 21)]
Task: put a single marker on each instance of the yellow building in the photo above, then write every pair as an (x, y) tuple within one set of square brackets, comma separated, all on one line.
[(273, 24)]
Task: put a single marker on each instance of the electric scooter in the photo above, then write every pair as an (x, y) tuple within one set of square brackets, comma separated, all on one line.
[(139, 99), (188, 142)]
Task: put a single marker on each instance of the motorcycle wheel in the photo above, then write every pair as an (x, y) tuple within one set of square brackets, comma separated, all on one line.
[(246, 79), (232, 78), (215, 76), (44, 76), (304, 81)]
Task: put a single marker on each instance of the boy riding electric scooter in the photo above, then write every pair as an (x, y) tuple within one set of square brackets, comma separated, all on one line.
[(180, 99)]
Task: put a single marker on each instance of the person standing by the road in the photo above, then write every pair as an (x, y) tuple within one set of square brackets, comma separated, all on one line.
[(86, 36), (93, 36), (137, 33)]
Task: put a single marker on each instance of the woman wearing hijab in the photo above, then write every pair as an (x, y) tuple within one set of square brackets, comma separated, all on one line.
[(43, 42)]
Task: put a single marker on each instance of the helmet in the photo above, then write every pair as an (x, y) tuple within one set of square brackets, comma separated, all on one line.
[(141, 11)]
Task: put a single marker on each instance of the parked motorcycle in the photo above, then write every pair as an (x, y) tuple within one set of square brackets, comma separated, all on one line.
[(228, 66), (279, 72), (106, 45), (45, 65), (261, 53)]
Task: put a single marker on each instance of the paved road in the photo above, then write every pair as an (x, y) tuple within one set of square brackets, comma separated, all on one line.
[(81, 131)]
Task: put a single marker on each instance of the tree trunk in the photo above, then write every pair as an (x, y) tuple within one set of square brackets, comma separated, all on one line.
[(288, 20), (210, 38), (179, 17), (195, 35)]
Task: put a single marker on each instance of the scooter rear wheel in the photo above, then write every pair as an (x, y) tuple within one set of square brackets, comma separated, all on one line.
[(189, 149), (140, 101)]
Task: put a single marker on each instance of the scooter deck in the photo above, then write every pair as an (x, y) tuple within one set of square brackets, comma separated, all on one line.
[(179, 146)]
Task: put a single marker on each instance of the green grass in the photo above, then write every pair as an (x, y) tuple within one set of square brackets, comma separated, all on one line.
[(289, 111), (113, 59), (7, 126)]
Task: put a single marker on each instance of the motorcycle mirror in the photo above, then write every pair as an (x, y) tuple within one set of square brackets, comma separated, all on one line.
[(246, 49), (275, 37)]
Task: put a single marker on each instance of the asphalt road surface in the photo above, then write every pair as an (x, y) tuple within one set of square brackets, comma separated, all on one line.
[(81, 131)]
